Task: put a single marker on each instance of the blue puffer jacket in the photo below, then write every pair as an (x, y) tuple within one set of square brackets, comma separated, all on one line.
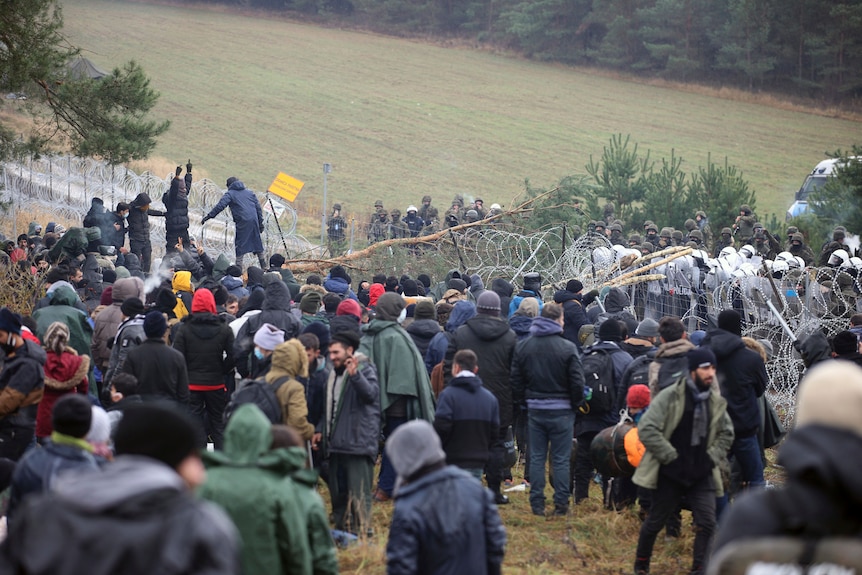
[(37, 470), (234, 286), (445, 522), (339, 286)]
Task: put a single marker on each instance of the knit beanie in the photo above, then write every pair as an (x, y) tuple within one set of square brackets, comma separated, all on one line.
[(132, 307), (157, 430), (203, 302), (122, 272), (233, 271), (457, 284), (155, 324), (268, 337), (488, 304), (109, 276), (831, 395), (574, 286), (321, 330), (10, 322), (100, 426), (72, 415), (349, 307), (729, 320), (310, 302), (647, 328), (700, 357), (107, 295), (275, 261), (425, 310), (413, 446), (638, 396), (845, 343), (610, 330), (389, 306)]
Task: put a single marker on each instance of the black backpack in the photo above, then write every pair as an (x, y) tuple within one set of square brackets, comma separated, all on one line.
[(599, 375), (261, 394), (638, 371)]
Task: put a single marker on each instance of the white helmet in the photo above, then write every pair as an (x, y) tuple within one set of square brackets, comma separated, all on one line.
[(620, 250), (770, 265), (496, 207), (856, 262), (838, 257), (411, 209), (747, 251), (799, 262), (785, 256), (603, 256), (780, 266), (726, 251)]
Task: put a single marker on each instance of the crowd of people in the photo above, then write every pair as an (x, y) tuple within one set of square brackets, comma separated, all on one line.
[(118, 380)]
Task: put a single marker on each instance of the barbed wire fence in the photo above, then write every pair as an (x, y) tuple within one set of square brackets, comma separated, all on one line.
[(806, 299), (63, 186)]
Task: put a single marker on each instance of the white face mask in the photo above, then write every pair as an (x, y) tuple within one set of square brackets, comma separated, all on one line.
[(402, 316)]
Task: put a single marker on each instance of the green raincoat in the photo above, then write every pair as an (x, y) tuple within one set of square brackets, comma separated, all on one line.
[(271, 499)]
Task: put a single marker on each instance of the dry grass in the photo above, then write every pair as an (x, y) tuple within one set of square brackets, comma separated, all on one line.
[(399, 118), (589, 540)]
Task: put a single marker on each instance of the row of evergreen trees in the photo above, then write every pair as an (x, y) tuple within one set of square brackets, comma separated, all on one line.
[(801, 47)]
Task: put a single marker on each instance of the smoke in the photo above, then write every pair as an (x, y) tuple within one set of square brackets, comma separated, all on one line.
[(158, 276)]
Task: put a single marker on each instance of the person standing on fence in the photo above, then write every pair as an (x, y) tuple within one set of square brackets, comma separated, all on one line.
[(139, 229), (247, 217), (176, 201)]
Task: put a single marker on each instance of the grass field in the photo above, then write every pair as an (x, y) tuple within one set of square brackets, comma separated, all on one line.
[(397, 119)]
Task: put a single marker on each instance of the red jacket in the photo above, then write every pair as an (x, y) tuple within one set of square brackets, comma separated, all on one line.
[(64, 373)]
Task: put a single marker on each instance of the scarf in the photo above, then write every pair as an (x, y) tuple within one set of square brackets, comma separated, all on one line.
[(701, 412)]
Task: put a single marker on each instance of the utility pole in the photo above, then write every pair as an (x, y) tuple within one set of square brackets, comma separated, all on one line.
[(326, 169)]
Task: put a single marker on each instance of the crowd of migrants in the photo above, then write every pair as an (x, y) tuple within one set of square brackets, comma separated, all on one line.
[(113, 386)]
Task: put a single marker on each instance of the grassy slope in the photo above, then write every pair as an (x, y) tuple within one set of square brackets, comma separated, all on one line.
[(398, 119)]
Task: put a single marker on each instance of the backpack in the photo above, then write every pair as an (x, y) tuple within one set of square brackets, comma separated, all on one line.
[(638, 371), (261, 394), (599, 375)]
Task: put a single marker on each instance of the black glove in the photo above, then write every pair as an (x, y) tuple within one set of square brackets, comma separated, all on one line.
[(205, 219), (179, 171), (189, 166)]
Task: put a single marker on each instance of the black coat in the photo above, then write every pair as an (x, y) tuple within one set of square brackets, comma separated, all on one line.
[(177, 205), (276, 311), (741, 377), (161, 370), (494, 344), (546, 366), (467, 421), (422, 331), (573, 314), (822, 495), (139, 220), (207, 344)]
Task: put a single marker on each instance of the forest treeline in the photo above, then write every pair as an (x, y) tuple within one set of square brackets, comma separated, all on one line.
[(808, 48)]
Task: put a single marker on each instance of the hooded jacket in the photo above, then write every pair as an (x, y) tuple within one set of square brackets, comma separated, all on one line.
[(520, 324), (22, 380), (741, 377), (247, 217), (504, 289), (494, 344), (62, 308), (234, 286), (176, 201), (573, 314), (400, 370), (290, 360), (445, 523), (354, 427), (467, 421), (64, 373), (822, 495), (669, 365), (161, 370), (422, 331), (274, 310), (438, 290), (139, 220), (206, 343), (109, 319), (153, 522), (270, 497)]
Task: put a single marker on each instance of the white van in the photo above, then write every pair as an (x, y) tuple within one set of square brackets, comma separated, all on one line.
[(817, 178)]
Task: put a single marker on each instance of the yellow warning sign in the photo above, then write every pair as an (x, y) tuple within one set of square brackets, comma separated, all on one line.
[(286, 187)]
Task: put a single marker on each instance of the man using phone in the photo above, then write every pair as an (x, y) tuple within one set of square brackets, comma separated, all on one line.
[(349, 433)]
